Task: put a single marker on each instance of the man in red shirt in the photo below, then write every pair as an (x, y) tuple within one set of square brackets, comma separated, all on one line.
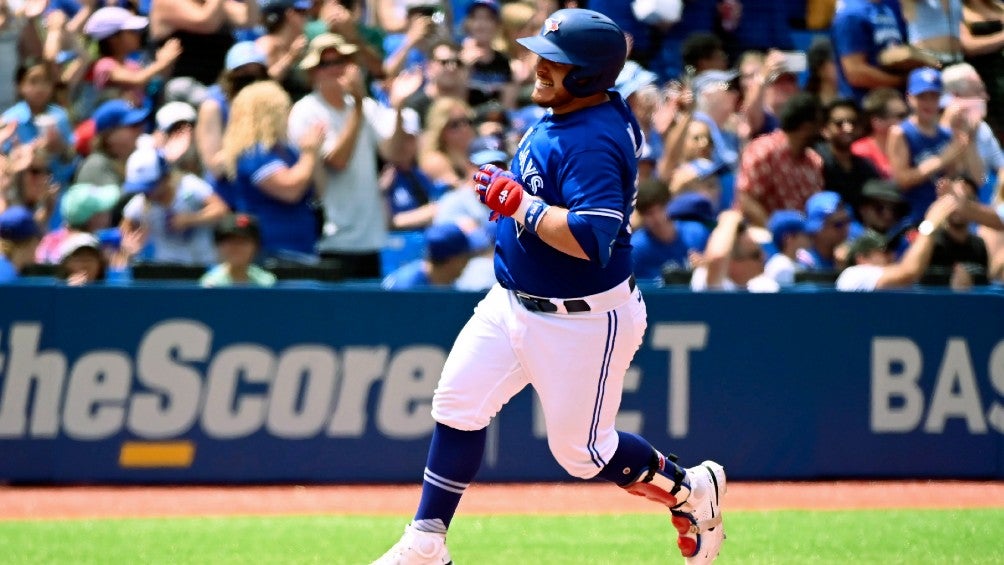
[(780, 171)]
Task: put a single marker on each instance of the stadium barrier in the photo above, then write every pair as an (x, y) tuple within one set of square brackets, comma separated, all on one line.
[(168, 383)]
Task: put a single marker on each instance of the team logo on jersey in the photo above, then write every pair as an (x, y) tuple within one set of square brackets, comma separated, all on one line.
[(550, 25)]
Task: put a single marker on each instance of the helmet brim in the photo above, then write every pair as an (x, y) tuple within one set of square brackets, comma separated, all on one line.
[(546, 49)]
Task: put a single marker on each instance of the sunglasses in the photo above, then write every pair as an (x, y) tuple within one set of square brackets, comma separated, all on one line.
[(327, 63), (839, 224), (459, 123), (452, 61), (844, 122)]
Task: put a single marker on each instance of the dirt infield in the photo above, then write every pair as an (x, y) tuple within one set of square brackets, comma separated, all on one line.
[(108, 502)]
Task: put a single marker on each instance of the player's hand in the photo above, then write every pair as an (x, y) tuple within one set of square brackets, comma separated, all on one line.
[(499, 190)]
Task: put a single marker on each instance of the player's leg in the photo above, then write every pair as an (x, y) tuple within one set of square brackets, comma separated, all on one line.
[(481, 374), (693, 495), (580, 404)]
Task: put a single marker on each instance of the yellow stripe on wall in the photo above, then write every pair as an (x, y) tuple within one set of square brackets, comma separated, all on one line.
[(153, 454)]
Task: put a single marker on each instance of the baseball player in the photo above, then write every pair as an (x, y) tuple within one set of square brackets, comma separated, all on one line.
[(565, 316)]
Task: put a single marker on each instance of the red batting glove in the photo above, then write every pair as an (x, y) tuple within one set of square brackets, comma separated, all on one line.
[(499, 190)]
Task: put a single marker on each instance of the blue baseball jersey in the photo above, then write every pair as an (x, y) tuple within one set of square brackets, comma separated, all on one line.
[(585, 161), (863, 26), (922, 147)]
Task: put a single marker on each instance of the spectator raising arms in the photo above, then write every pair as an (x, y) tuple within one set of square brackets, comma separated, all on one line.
[(244, 64), (204, 28), (356, 129), (921, 150), (268, 177), (870, 262), (175, 210), (119, 34)]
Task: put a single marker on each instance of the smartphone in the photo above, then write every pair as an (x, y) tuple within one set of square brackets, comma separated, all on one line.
[(795, 62)]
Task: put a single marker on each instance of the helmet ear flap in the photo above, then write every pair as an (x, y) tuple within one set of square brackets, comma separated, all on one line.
[(579, 82)]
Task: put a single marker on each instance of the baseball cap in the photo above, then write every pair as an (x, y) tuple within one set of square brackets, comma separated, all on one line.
[(106, 22), (267, 6), (145, 168), (819, 207), (868, 241), (692, 206), (881, 189), (704, 168), (323, 42), (244, 225), (924, 79), (707, 79), (487, 149), (492, 5), (445, 241), (173, 113), (82, 201), (77, 241), (244, 53), (657, 12), (632, 77), (785, 222), (18, 224), (118, 113)]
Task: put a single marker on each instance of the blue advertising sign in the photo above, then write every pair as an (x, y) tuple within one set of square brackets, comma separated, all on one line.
[(154, 384)]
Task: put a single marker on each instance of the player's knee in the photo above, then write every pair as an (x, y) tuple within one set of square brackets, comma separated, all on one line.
[(578, 461), (449, 412)]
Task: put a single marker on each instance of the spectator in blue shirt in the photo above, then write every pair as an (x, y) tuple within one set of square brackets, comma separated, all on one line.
[(828, 222), (268, 177), (19, 235), (655, 244), (448, 249)]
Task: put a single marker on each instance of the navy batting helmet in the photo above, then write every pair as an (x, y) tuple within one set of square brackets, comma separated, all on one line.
[(590, 41)]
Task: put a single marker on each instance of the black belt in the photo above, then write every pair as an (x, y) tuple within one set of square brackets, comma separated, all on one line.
[(548, 306)]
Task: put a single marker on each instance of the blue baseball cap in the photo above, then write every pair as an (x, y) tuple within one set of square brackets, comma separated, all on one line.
[(819, 207), (692, 206), (785, 222), (445, 241), (711, 78), (244, 53), (118, 113), (492, 5), (283, 5), (18, 224), (487, 149), (924, 79)]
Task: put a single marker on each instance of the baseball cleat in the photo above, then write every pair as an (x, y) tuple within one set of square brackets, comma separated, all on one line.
[(417, 548), (698, 520)]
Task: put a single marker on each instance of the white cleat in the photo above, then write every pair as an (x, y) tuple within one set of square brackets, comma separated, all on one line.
[(698, 521), (417, 548)]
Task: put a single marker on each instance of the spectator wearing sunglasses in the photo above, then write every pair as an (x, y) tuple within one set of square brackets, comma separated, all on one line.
[(445, 76), (356, 130), (732, 260), (491, 76), (828, 222), (284, 42), (883, 108), (844, 172)]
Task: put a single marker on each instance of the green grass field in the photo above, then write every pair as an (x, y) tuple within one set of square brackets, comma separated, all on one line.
[(796, 537)]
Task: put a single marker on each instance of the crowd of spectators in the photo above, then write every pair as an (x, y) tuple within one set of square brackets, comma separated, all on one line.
[(786, 141)]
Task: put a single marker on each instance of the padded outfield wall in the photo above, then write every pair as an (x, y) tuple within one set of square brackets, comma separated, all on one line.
[(151, 384)]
